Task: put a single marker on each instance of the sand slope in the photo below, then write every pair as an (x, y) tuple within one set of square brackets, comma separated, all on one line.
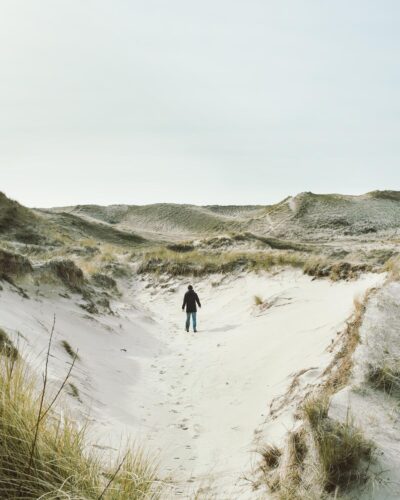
[(198, 401)]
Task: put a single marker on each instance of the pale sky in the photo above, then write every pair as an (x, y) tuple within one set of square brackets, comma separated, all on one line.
[(205, 102)]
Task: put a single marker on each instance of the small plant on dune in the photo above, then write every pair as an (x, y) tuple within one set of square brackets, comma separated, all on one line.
[(68, 349), (7, 348), (283, 469), (385, 377), (74, 392), (45, 455), (271, 455), (258, 301), (392, 267), (343, 452)]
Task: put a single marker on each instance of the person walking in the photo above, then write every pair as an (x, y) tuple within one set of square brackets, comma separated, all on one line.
[(189, 301)]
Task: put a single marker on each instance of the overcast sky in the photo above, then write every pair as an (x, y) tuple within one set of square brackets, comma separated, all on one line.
[(211, 101)]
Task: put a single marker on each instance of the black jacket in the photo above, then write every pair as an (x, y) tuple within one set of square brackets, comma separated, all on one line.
[(190, 300)]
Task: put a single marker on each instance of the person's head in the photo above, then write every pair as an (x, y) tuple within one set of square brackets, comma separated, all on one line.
[(190, 287)]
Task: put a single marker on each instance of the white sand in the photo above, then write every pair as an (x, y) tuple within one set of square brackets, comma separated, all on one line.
[(195, 399)]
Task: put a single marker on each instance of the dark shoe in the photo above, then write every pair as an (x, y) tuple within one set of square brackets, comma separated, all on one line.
[(195, 331), (187, 329)]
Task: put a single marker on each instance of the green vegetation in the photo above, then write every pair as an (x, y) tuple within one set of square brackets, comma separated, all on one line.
[(44, 455)]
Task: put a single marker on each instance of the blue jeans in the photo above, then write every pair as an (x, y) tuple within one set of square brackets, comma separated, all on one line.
[(188, 320)]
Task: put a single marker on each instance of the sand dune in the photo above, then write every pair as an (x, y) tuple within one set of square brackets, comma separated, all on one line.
[(199, 401)]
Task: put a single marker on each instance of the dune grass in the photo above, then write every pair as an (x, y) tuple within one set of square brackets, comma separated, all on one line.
[(344, 454), (324, 456), (45, 455), (197, 263), (68, 349), (385, 377), (7, 348)]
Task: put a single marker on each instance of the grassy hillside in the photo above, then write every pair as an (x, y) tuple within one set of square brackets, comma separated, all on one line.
[(26, 226), (317, 215), (305, 215)]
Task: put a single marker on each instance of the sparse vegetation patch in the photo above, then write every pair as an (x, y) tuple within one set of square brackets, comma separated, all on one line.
[(344, 455), (7, 348), (13, 265), (44, 455), (385, 377), (68, 349)]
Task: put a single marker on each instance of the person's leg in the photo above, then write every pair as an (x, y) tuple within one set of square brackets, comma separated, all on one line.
[(194, 321), (187, 321)]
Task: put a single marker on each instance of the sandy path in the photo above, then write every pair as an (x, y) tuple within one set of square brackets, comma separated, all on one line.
[(196, 400), (216, 386)]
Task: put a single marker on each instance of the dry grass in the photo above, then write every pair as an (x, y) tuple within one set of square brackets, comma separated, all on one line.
[(385, 377), (73, 391), (197, 263), (392, 267), (323, 456), (338, 371), (344, 455), (7, 348), (258, 301), (44, 455), (13, 265)]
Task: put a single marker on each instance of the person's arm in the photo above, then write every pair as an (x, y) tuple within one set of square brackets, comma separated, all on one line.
[(198, 300), (184, 301)]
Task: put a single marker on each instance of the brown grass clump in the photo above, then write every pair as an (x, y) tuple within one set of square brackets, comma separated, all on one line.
[(13, 265), (197, 263), (283, 469), (271, 456), (7, 348), (344, 454), (68, 272), (339, 369), (385, 378), (392, 267)]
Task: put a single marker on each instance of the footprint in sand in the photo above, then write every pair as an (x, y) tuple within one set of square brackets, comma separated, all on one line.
[(198, 428)]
